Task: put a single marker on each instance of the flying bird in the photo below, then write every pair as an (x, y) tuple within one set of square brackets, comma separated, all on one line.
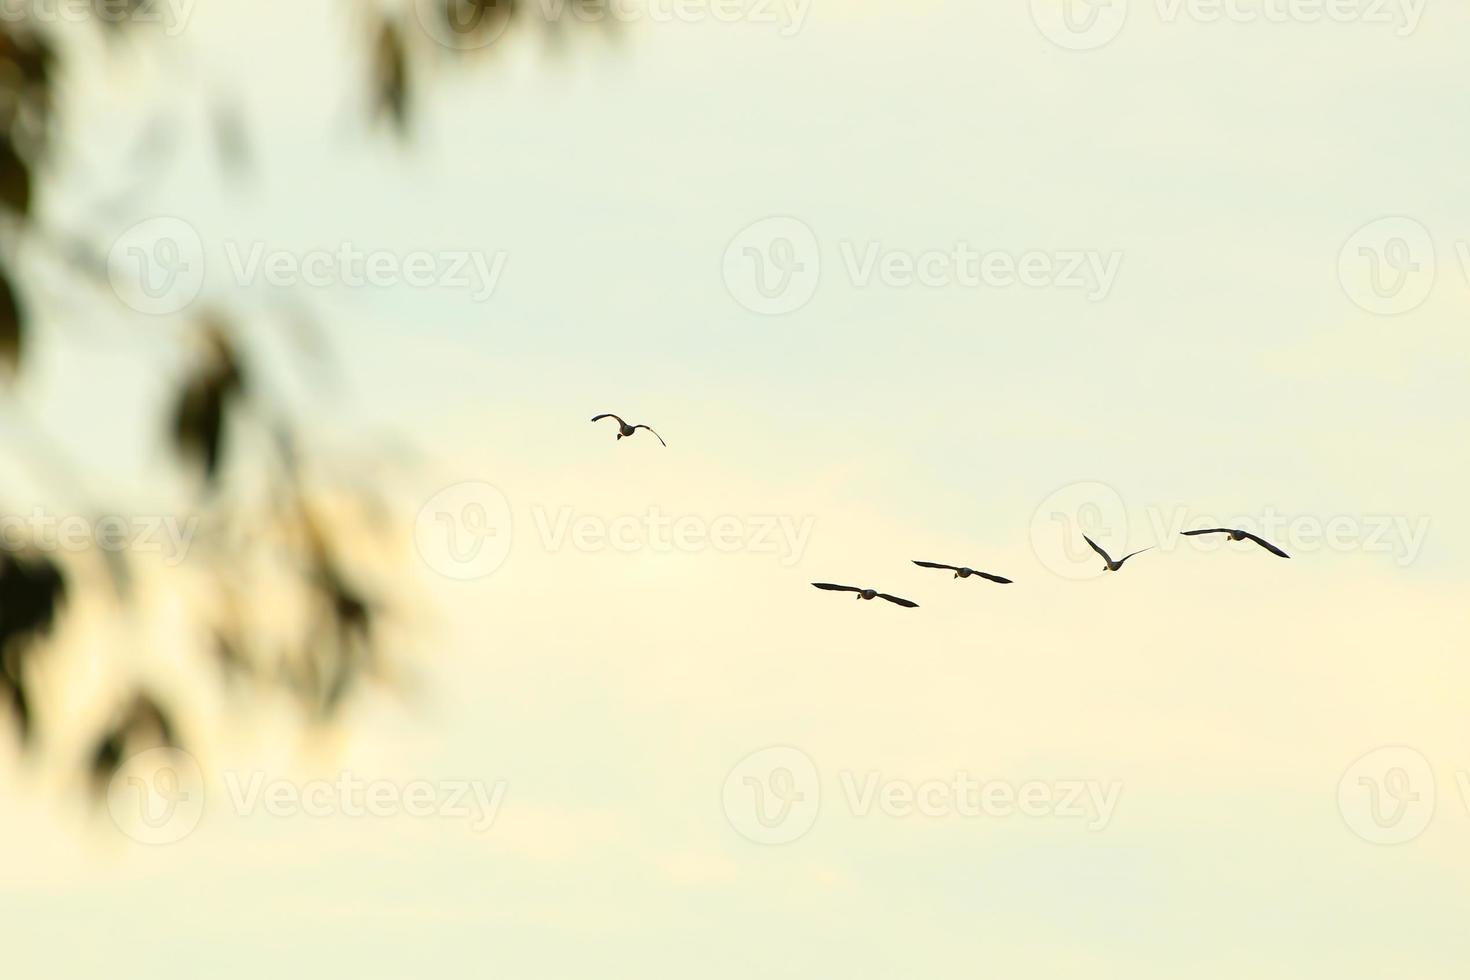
[(625, 431), (1113, 566), (1236, 535), (866, 594), (960, 572)]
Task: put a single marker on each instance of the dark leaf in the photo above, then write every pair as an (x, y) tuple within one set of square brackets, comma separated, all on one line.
[(143, 725), (390, 77), (15, 179), (11, 323), (199, 414), (32, 590)]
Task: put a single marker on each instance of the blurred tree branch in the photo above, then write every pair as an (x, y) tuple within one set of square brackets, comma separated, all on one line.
[(262, 499)]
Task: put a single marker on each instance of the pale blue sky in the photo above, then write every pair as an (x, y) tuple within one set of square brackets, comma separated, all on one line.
[(1228, 372)]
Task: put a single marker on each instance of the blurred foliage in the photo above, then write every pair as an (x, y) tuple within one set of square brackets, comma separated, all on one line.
[(222, 427)]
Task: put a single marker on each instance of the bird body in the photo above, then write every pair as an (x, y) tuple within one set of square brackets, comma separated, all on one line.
[(1238, 535), (869, 594), (1113, 565), (625, 431), (963, 572)]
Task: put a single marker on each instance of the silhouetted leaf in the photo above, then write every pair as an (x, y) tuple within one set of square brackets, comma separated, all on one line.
[(13, 692), (141, 726), (27, 71), (199, 414), (32, 590), (390, 76), (12, 324), (15, 179)]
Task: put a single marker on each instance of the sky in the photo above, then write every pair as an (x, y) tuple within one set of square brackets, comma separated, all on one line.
[(698, 764)]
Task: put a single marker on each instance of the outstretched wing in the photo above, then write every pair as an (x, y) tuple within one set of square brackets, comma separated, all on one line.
[(1207, 530), (935, 564), (994, 578), (1267, 545), (835, 588), (1138, 552), (607, 415), (1097, 549), (655, 435), (895, 599)]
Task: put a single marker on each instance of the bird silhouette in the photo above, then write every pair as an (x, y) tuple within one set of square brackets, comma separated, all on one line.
[(1113, 566), (625, 431), (1237, 535), (961, 572), (866, 593)]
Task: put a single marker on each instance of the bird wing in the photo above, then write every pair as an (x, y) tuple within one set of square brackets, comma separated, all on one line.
[(1138, 552), (607, 415), (1097, 549), (1267, 545), (1207, 530), (835, 588), (655, 435), (935, 564), (994, 578), (895, 599)]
